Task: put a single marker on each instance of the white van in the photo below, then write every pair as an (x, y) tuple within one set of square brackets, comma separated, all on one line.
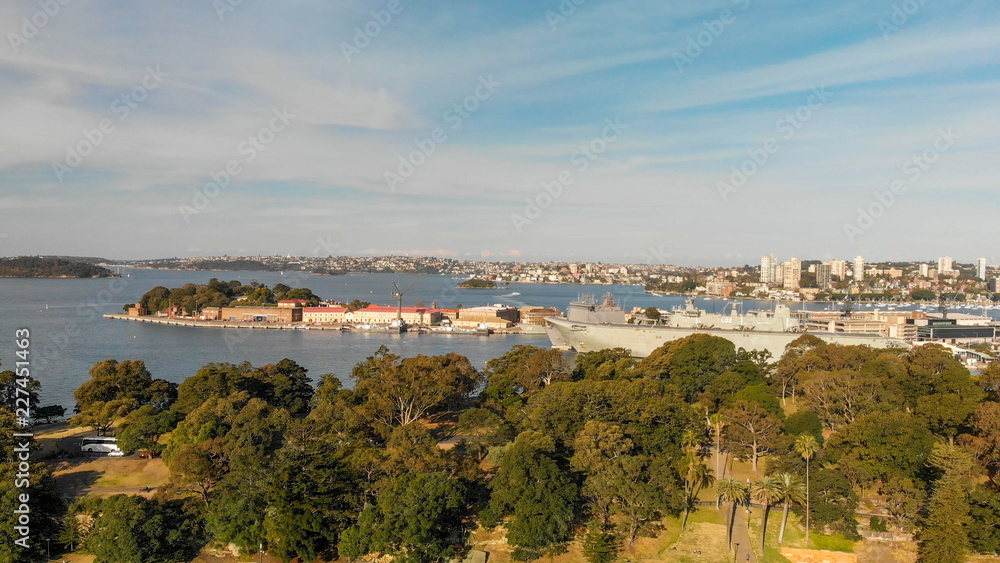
[(100, 444)]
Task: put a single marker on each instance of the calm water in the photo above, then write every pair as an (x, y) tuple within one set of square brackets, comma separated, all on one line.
[(69, 335)]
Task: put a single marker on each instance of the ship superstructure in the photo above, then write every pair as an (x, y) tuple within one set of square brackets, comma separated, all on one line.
[(596, 325)]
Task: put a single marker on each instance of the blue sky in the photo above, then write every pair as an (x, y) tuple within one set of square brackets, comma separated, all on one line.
[(695, 90)]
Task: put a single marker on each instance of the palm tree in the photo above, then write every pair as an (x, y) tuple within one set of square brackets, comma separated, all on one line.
[(736, 493), (792, 490), (807, 446), (767, 491), (696, 476)]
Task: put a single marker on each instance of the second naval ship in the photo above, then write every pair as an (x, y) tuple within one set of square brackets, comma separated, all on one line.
[(592, 325)]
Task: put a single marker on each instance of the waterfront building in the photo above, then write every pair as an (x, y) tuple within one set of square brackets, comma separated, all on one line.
[(323, 315), (211, 314), (262, 314), (384, 315), (137, 311), (536, 315), (493, 316)]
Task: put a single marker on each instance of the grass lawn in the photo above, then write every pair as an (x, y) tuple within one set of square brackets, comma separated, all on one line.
[(108, 473)]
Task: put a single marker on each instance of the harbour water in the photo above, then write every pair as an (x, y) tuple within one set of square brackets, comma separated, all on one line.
[(69, 335)]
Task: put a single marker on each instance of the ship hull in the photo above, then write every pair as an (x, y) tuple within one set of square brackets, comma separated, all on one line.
[(642, 340)]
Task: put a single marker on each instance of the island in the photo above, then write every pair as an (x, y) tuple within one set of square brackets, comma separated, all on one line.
[(477, 283), (50, 267)]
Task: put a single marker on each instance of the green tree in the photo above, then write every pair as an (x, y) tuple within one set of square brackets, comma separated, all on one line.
[(309, 500), (939, 389), (752, 431), (398, 393), (944, 536), (413, 519), (690, 363), (101, 416), (984, 513), (535, 493), (239, 506), (132, 529), (695, 476), (767, 491), (880, 445), (600, 544), (791, 491), (832, 503), (737, 493), (142, 428), (610, 363), (804, 422)]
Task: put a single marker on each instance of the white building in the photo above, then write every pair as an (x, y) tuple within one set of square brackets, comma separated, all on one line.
[(944, 265), (981, 268), (859, 268), (768, 269), (924, 270)]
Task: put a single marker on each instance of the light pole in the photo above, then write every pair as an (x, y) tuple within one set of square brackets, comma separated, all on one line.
[(262, 552), (736, 553)]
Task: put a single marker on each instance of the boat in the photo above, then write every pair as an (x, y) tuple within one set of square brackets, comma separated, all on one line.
[(591, 325)]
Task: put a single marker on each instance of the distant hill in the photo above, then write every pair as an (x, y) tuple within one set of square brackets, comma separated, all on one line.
[(39, 267)]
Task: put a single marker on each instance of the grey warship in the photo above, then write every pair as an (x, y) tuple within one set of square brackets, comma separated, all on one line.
[(592, 325)]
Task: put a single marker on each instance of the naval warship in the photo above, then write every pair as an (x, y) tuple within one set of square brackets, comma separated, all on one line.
[(592, 325)]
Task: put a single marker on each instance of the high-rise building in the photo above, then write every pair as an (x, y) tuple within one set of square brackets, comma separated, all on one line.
[(824, 273), (924, 270), (838, 268), (995, 285), (768, 267), (859, 268), (981, 268), (791, 273), (944, 265)]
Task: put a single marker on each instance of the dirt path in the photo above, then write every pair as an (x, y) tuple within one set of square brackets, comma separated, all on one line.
[(741, 536)]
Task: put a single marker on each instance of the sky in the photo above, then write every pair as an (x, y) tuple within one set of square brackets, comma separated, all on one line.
[(704, 132)]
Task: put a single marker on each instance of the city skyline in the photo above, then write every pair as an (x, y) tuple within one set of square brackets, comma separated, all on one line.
[(700, 133)]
